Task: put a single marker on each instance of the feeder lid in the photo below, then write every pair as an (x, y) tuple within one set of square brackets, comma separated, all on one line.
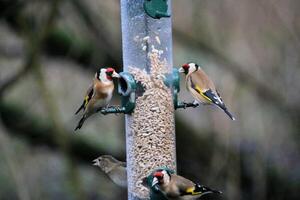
[(156, 8)]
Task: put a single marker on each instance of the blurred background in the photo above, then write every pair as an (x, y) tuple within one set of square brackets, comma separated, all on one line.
[(50, 50)]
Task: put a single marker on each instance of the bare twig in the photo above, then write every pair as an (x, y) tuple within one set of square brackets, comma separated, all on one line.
[(60, 136), (34, 47), (9, 158), (94, 23), (22, 124), (9, 82)]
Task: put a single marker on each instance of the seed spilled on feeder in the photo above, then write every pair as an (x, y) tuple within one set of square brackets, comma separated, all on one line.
[(151, 139)]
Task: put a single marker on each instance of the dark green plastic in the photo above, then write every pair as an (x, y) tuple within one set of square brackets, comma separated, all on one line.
[(112, 109), (126, 88), (185, 105), (156, 8), (155, 194), (174, 80)]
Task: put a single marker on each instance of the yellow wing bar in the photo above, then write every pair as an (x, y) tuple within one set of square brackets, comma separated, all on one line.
[(191, 190), (201, 93), (86, 100)]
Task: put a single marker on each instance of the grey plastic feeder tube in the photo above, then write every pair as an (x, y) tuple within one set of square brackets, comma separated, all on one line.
[(141, 36)]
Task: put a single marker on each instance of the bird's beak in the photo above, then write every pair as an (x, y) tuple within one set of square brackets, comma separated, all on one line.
[(115, 75), (96, 162), (154, 181), (181, 70)]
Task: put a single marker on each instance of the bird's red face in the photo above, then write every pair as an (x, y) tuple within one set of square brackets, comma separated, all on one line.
[(110, 73), (185, 68), (159, 175)]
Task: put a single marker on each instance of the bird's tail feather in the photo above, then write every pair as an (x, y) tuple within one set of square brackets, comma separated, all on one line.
[(80, 123), (205, 190), (79, 109), (229, 114), (223, 107)]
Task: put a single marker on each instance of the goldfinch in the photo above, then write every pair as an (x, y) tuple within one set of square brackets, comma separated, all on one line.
[(175, 187), (115, 169), (98, 94), (201, 87)]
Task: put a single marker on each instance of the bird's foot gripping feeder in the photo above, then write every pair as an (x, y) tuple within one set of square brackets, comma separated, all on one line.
[(185, 105), (155, 193), (126, 88), (112, 109)]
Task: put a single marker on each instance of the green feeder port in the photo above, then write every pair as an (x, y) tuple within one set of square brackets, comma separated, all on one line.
[(126, 88), (156, 8), (112, 109), (174, 80)]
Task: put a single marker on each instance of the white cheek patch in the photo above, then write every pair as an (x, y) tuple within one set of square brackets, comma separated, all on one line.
[(103, 76), (166, 177), (192, 67)]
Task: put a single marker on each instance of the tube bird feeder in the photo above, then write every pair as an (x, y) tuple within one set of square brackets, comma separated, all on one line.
[(147, 56)]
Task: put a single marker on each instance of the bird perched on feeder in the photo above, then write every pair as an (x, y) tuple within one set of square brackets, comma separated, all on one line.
[(201, 87), (98, 94), (115, 169), (175, 187)]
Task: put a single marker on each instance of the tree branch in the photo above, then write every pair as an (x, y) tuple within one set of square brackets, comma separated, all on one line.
[(34, 48), (94, 23), (21, 124)]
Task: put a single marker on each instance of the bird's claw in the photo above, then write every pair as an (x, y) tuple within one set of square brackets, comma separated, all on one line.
[(118, 109), (195, 104), (184, 105)]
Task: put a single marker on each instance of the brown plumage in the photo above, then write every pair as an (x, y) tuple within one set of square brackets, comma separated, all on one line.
[(200, 80), (98, 94), (88, 96), (201, 87), (115, 169), (176, 187)]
